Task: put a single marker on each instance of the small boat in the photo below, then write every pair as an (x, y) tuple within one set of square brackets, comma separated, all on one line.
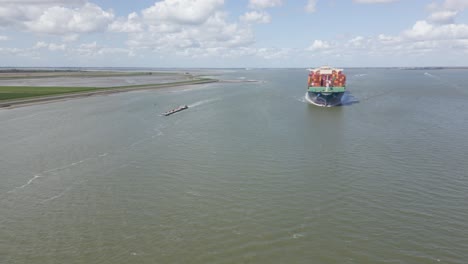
[(173, 111)]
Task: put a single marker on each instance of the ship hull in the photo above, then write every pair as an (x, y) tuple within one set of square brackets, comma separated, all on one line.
[(324, 99)]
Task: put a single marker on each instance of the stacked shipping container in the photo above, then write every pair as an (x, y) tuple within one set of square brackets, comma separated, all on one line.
[(336, 78)]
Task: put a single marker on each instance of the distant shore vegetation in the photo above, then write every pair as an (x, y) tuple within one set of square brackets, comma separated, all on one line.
[(10, 94)]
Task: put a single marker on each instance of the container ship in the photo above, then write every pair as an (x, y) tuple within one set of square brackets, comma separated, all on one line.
[(325, 86)]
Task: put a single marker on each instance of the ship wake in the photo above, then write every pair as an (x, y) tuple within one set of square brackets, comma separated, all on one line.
[(202, 102)]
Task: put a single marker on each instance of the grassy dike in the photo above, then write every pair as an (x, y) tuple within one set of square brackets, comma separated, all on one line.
[(17, 95)]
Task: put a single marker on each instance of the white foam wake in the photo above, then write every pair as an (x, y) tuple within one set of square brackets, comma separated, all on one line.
[(37, 176), (30, 181), (300, 99), (360, 75), (446, 82), (57, 196), (431, 76), (202, 102), (50, 171)]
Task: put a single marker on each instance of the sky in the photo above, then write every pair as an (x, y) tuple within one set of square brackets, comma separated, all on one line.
[(233, 33)]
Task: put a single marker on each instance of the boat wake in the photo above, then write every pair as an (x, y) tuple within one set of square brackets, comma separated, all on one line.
[(360, 75), (309, 100), (300, 99), (26, 184), (446, 82), (432, 76), (348, 99), (202, 102)]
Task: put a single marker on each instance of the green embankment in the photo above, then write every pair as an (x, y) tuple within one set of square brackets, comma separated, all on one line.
[(6, 75), (19, 92), (8, 93)]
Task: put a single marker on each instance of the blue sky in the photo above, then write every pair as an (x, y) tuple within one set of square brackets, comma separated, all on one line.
[(229, 33)]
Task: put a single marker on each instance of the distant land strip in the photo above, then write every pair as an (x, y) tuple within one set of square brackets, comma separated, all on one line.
[(12, 96), (27, 74)]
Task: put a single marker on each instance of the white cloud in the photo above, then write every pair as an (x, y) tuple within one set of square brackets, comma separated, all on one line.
[(311, 6), (319, 45), (196, 29), (14, 15), (92, 49), (443, 17), (422, 30), (373, 1), (455, 5), (88, 49), (423, 40), (261, 4), (62, 20), (21, 14), (182, 12), (18, 52), (55, 47), (357, 42), (4, 37), (49, 46), (133, 23), (445, 12), (70, 37), (40, 45), (256, 17), (385, 39)]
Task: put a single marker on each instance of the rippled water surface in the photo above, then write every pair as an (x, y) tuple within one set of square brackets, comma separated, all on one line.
[(250, 173)]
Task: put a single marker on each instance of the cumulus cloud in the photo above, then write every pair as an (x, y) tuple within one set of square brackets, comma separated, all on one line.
[(215, 32), (421, 39), (55, 47), (194, 28), (256, 17), (261, 4), (311, 6), (445, 12), (133, 23), (182, 12), (357, 42), (70, 37), (178, 27), (422, 30), (454, 5), (319, 45), (54, 16), (62, 20), (93, 49), (436, 35), (50, 46), (443, 17), (12, 15)]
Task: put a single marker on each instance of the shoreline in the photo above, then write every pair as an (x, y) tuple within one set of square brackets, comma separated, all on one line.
[(15, 103)]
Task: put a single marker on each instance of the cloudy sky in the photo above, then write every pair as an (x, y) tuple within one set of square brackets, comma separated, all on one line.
[(233, 33)]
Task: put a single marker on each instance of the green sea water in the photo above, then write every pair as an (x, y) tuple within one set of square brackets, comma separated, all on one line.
[(250, 173)]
